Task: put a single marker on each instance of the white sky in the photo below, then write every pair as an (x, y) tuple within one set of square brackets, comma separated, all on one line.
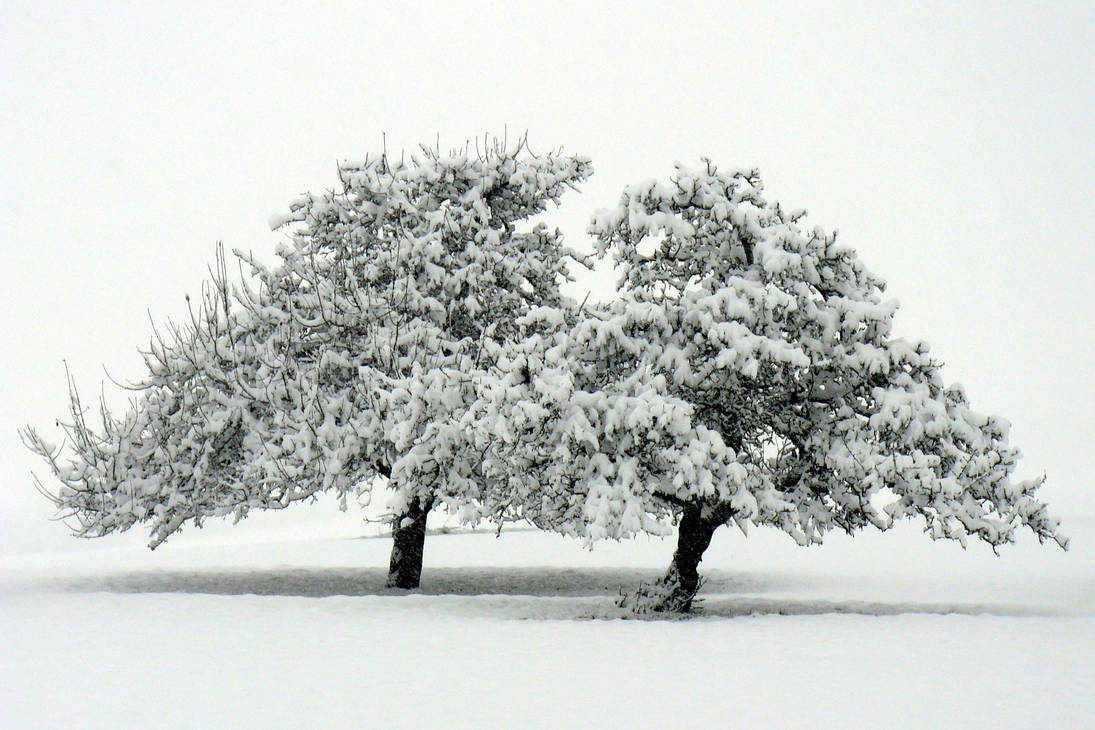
[(952, 144)]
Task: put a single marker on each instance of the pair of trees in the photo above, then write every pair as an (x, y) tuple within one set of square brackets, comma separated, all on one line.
[(414, 332)]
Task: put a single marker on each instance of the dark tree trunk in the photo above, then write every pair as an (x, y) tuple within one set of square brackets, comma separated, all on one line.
[(693, 537), (682, 580), (677, 589), (409, 537)]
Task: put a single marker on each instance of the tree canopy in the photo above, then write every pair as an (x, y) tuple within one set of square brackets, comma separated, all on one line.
[(321, 373)]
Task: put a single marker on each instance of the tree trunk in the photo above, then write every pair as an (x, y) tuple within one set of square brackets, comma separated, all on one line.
[(409, 537), (693, 538), (676, 590)]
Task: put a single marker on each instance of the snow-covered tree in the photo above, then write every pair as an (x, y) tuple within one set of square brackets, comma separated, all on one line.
[(325, 372), (746, 374)]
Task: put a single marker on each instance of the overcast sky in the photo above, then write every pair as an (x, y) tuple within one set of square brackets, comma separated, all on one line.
[(953, 144)]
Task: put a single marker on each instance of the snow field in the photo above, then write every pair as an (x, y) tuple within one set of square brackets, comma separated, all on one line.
[(877, 631), (199, 661)]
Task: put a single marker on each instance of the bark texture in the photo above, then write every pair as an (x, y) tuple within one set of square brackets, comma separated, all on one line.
[(409, 538)]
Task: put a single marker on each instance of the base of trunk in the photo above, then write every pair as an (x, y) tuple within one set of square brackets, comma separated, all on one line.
[(666, 595), (409, 538)]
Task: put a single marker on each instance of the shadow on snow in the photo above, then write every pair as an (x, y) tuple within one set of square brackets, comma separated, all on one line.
[(724, 594)]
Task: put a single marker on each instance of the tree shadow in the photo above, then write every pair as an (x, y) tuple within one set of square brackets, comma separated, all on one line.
[(323, 582), (724, 594), (752, 606)]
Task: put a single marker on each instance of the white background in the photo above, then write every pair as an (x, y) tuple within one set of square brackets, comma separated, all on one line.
[(952, 144)]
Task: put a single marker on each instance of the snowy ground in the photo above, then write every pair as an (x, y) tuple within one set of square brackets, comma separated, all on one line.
[(261, 629)]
